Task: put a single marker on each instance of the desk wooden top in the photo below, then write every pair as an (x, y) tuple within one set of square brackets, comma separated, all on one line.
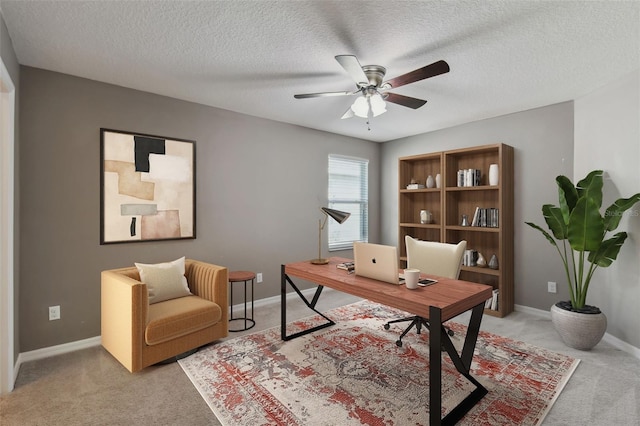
[(453, 297)]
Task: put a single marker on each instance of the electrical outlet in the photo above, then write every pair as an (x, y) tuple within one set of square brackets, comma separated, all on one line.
[(259, 277), (54, 313), (551, 287)]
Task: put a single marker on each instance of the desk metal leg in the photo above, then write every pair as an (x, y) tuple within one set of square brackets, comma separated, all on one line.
[(435, 366), (437, 338), (284, 279)]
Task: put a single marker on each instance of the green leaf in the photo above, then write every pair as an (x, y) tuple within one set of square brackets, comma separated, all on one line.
[(591, 187), (567, 196), (614, 213), (545, 233), (608, 251), (555, 221), (586, 227)]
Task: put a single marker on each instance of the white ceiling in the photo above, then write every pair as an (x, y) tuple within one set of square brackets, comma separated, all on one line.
[(253, 56)]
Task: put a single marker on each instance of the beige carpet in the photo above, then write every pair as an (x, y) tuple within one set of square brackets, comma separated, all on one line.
[(89, 387)]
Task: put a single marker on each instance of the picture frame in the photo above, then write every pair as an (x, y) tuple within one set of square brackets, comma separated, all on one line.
[(147, 187)]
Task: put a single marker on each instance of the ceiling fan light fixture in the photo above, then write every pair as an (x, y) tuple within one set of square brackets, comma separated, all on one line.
[(361, 107), (369, 104), (378, 106)]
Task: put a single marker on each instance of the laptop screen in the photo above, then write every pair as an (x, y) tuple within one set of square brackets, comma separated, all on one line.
[(376, 261)]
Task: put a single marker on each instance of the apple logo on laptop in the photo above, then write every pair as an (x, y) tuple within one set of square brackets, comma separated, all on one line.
[(373, 260)]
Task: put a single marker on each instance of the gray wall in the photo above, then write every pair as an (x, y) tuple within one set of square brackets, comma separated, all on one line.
[(608, 138), (543, 143), (259, 188), (11, 63)]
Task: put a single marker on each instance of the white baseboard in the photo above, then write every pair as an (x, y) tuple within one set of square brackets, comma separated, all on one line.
[(610, 339), (622, 345), (95, 341), (55, 350), (532, 311)]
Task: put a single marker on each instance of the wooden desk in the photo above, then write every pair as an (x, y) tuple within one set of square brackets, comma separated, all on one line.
[(438, 303)]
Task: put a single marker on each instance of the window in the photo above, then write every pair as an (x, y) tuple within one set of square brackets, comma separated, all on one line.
[(349, 192)]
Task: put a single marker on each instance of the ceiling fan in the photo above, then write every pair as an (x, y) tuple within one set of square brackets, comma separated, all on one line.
[(374, 92)]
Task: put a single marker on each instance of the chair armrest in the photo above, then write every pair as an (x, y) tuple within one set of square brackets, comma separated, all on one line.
[(124, 306), (209, 282)]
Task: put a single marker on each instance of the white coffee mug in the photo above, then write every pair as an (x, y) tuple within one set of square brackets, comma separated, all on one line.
[(411, 277)]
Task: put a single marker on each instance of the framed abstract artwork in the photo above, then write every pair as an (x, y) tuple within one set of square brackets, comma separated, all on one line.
[(147, 187)]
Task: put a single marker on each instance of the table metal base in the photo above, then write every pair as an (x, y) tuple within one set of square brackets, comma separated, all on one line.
[(438, 338), (248, 321)]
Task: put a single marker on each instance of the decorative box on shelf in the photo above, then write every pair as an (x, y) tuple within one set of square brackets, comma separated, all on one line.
[(415, 186)]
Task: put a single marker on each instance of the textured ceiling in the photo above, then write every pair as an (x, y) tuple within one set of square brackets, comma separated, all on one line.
[(253, 56)]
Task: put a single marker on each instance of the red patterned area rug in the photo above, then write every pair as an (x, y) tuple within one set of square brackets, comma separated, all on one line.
[(354, 374)]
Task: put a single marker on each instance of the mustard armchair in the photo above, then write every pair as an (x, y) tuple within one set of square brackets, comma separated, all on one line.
[(139, 334)]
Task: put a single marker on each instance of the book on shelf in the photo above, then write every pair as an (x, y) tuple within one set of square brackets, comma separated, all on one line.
[(492, 303), (470, 258), (486, 217), (476, 214), (468, 177), (494, 218)]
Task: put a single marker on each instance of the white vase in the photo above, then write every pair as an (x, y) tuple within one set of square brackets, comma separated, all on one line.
[(425, 216), (494, 175), (438, 180), (430, 182)]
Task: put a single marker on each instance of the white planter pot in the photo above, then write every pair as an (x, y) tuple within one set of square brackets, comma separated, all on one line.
[(577, 330)]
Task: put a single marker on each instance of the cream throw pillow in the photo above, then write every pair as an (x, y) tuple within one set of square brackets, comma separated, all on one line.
[(164, 280)]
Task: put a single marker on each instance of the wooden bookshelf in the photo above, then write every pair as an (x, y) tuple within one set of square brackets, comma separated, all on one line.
[(448, 203)]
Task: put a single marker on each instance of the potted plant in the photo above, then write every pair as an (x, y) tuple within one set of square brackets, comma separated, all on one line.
[(581, 237)]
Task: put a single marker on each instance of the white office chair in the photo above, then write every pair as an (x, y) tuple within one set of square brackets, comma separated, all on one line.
[(432, 258)]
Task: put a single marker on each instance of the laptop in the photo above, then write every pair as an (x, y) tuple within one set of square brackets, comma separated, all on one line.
[(376, 261), (380, 263)]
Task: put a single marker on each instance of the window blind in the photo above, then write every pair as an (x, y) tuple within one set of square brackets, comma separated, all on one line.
[(349, 192)]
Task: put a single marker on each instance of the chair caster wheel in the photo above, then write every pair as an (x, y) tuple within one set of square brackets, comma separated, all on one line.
[(450, 333), (399, 343), (387, 326)]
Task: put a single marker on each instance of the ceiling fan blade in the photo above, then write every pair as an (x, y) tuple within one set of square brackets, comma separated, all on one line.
[(323, 94), (406, 101), (428, 71), (352, 66), (348, 114)]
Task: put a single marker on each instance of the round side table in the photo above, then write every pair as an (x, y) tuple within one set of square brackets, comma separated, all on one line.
[(242, 276)]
